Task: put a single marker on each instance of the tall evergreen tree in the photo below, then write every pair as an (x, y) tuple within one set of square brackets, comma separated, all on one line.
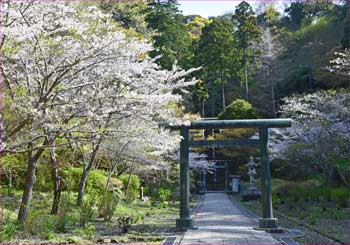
[(172, 39), (247, 34), (216, 54)]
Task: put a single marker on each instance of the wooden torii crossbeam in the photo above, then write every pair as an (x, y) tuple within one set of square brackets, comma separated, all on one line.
[(267, 221)]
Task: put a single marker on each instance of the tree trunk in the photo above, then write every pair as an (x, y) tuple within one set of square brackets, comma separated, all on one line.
[(82, 186), (30, 180), (223, 96), (272, 87), (203, 111), (85, 174), (56, 182), (203, 115), (212, 101), (28, 187), (128, 184), (109, 177), (246, 82)]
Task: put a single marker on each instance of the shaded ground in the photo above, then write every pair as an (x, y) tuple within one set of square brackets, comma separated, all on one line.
[(309, 236)]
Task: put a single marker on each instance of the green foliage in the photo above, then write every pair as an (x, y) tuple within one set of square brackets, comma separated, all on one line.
[(130, 15), (107, 205), (9, 161), (132, 184), (239, 109), (86, 210), (201, 91), (43, 180), (217, 55), (312, 190), (310, 30), (64, 218), (247, 30), (38, 223), (196, 25), (313, 219), (341, 196), (123, 209), (8, 231), (96, 181), (164, 204), (296, 13), (342, 165), (9, 227), (13, 163), (173, 40), (88, 231), (164, 194), (337, 214), (216, 52)]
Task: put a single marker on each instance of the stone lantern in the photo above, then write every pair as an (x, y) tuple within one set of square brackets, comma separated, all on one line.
[(252, 192), (251, 171)]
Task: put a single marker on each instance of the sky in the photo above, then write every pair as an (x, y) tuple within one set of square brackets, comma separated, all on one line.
[(208, 8)]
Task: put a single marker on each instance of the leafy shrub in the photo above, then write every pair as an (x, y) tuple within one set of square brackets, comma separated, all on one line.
[(38, 223), (86, 210), (238, 109), (89, 231), (8, 231), (96, 180), (134, 186), (63, 217), (107, 205), (312, 190), (164, 194), (296, 190), (341, 196)]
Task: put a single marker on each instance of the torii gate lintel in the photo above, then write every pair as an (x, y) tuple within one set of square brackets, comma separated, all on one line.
[(267, 221)]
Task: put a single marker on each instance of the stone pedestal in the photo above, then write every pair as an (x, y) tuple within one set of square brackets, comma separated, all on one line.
[(251, 193), (268, 223)]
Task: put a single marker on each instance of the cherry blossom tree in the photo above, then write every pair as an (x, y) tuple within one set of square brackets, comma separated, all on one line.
[(319, 134), (72, 74)]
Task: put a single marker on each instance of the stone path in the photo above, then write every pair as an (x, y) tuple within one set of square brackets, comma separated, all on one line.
[(220, 222)]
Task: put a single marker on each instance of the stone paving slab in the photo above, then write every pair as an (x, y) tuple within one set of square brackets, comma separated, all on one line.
[(219, 221)]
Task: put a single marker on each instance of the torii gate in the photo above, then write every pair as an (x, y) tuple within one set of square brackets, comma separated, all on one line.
[(267, 221)]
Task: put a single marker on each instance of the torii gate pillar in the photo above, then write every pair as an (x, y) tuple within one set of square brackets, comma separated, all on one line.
[(185, 221), (267, 221)]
